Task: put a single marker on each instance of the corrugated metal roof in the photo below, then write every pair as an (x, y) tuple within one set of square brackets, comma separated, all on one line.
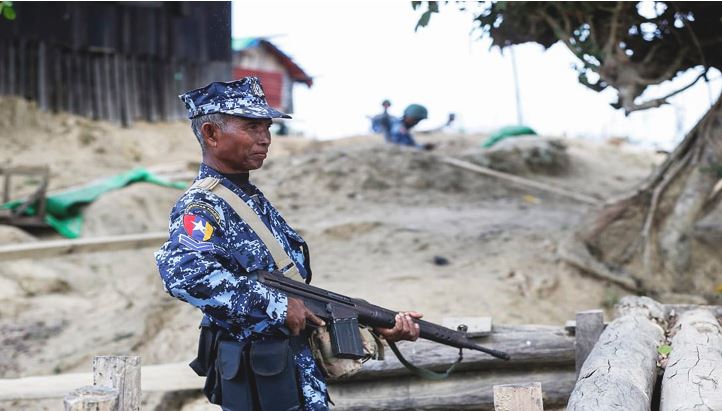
[(295, 72)]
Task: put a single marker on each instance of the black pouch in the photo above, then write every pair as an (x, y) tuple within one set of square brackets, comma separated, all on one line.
[(275, 374), (205, 363), (235, 382)]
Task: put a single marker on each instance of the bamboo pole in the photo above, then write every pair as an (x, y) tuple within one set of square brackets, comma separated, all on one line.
[(520, 181)]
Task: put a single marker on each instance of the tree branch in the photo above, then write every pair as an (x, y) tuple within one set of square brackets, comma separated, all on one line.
[(661, 100)]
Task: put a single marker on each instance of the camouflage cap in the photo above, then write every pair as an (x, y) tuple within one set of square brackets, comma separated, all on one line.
[(243, 98)]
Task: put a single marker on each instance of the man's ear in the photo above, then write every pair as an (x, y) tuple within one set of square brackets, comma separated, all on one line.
[(210, 133)]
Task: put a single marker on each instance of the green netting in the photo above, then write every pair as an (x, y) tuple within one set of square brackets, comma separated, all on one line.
[(64, 210), (506, 132)]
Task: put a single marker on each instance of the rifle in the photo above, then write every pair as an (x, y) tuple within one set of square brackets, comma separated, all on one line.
[(344, 315)]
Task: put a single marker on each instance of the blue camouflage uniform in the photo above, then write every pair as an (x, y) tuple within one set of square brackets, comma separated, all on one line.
[(398, 133), (211, 250)]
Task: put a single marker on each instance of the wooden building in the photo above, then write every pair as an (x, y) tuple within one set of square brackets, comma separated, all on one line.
[(256, 56), (118, 61)]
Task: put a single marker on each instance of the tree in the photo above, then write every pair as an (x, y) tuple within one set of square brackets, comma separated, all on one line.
[(644, 240)]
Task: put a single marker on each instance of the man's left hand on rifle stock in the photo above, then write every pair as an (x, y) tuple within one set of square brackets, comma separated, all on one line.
[(405, 328)]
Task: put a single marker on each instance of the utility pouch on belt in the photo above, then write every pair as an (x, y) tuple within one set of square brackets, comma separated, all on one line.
[(335, 367), (205, 363), (275, 372), (235, 379)]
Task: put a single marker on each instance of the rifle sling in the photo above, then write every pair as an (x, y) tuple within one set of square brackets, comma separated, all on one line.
[(423, 372), (279, 255)]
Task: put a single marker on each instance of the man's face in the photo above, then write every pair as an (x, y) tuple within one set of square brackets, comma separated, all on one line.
[(242, 144)]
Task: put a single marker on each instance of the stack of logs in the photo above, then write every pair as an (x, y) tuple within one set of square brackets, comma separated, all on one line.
[(631, 367), (651, 356)]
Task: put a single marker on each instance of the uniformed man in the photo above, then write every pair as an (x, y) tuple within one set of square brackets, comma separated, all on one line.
[(399, 130), (248, 328)]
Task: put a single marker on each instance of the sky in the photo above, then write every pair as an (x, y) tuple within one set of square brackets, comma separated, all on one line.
[(361, 52)]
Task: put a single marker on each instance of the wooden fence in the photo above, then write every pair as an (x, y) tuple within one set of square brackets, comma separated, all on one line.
[(101, 84)]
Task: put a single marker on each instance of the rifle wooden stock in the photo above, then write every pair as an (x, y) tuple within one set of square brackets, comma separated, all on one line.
[(331, 306)]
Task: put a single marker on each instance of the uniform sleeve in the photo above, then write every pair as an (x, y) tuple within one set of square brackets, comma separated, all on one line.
[(399, 135), (196, 267)]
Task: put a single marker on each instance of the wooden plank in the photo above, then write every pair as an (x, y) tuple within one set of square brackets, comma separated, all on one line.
[(43, 97), (518, 397), (620, 372), (12, 77), (153, 378), (520, 181), (461, 391), (110, 112), (84, 245), (92, 398), (693, 378), (22, 69), (589, 326), (98, 103), (125, 85), (123, 374)]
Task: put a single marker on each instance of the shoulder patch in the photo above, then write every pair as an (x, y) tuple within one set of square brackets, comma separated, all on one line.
[(198, 205), (197, 227)]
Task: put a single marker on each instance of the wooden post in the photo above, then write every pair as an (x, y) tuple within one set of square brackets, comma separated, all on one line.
[(589, 327), (123, 374), (694, 371), (518, 397), (92, 398), (621, 370)]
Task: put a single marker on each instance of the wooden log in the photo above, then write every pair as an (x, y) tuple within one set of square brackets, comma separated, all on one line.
[(588, 327), (461, 391), (694, 372), (620, 372), (520, 181), (518, 397), (61, 247), (528, 345), (531, 347), (92, 398), (123, 374)]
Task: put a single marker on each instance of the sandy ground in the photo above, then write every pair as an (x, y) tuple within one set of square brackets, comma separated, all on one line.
[(375, 217)]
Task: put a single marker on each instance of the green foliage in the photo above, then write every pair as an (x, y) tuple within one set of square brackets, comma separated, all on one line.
[(7, 11), (664, 349), (431, 7), (627, 45)]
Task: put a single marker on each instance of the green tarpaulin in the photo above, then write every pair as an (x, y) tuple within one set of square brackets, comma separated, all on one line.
[(64, 210), (506, 132)]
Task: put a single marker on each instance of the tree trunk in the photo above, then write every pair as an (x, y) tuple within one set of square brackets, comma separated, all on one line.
[(645, 240)]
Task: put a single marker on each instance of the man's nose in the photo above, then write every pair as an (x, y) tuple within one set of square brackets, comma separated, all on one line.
[(265, 138)]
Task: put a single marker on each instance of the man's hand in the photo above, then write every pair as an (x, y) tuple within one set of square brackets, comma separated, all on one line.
[(405, 328), (297, 314)]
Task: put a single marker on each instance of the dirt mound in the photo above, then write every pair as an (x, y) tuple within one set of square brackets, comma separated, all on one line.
[(138, 208)]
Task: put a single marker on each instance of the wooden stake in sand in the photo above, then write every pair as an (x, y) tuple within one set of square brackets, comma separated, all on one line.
[(123, 374), (518, 397), (92, 398)]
